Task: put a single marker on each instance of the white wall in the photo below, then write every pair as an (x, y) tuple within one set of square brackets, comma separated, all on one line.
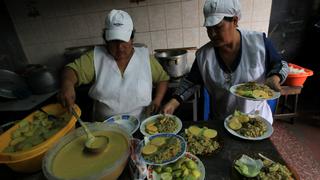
[(159, 23)]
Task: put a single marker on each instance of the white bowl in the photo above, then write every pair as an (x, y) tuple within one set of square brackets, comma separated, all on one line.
[(128, 122)]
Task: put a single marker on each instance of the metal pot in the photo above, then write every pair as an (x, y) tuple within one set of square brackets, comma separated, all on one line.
[(173, 61), (73, 53), (41, 79), (12, 85)]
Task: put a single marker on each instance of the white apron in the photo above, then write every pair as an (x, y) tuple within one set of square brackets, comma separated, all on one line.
[(251, 68), (121, 94)]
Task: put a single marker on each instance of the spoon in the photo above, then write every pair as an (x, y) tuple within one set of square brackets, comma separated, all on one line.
[(264, 157), (93, 144), (50, 116)]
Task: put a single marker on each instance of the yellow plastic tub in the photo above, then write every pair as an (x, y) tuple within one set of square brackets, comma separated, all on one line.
[(30, 160)]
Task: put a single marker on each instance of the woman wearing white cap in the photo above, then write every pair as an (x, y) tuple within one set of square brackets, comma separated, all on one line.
[(122, 74), (231, 57)]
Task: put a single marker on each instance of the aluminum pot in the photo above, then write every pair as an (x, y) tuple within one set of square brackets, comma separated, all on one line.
[(41, 79), (173, 61), (12, 85)]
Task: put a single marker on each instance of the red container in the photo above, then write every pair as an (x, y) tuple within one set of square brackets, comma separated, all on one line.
[(297, 79)]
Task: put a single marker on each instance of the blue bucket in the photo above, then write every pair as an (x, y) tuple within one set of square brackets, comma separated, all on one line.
[(273, 105)]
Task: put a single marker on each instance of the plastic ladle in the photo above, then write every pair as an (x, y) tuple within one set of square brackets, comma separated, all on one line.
[(93, 144)]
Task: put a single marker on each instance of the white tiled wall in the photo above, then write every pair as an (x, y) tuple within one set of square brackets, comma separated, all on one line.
[(159, 24)]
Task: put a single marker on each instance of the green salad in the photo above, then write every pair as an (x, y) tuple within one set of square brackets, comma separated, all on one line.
[(30, 134), (261, 169)]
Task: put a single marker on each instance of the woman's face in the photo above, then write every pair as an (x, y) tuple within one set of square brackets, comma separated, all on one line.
[(120, 49), (222, 33)]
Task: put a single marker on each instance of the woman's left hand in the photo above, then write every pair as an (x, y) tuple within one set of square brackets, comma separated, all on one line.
[(273, 82)]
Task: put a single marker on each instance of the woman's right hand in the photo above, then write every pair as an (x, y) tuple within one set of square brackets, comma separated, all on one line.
[(170, 107), (67, 96)]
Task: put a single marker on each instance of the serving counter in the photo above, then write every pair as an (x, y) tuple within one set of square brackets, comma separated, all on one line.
[(217, 166)]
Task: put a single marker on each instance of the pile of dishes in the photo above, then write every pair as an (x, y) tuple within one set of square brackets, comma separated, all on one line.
[(250, 126), (165, 152)]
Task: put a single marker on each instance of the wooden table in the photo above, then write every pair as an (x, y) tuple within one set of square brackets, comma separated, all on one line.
[(288, 109)]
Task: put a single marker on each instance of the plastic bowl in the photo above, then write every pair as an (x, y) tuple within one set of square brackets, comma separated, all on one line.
[(30, 160), (297, 79), (109, 172)]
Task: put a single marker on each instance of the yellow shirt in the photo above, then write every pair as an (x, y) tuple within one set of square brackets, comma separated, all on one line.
[(84, 69)]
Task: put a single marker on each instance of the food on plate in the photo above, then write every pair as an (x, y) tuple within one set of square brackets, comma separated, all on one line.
[(184, 168), (201, 141), (160, 149), (163, 124), (247, 125), (210, 133), (30, 134), (254, 90), (261, 168), (149, 149), (159, 141)]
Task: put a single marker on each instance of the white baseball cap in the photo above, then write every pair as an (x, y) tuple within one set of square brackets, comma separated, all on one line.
[(215, 10), (119, 26)]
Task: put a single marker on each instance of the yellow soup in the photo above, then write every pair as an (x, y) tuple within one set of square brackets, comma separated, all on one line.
[(72, 162)]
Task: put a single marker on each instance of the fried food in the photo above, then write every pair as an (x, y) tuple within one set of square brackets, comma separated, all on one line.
[(201, 140), (163, 124), (247, 126), (254, 90), (159, 153), (149, 149)]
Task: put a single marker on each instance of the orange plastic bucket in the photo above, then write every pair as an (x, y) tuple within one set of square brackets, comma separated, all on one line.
[(30, 160), (297, 79)]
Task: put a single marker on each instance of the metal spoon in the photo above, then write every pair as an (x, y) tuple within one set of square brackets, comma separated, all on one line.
[(93, 144), (50, 116), (264, 157)]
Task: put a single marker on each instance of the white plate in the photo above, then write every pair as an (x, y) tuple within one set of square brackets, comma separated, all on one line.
[(130, 123), (173, 159), (153, 118), (152, 175), (233, 89), (264, 136)]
